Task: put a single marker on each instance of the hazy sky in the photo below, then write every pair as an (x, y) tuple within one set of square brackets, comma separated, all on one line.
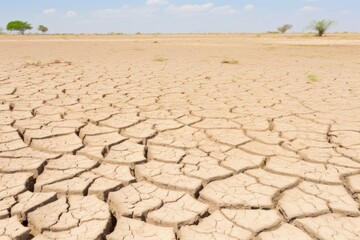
[(175, 16)]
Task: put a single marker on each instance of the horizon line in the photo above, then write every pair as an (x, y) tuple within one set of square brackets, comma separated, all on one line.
[(172, 33)]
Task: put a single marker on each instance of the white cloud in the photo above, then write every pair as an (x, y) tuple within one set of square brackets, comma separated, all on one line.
[(156, 2), (200, 8), (249, 7), (224, 9), (124, 11), (309, 9), (132, 11), (70, 14), (49, 11), (190, 8)]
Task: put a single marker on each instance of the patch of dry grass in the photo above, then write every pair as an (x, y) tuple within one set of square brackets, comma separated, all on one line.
[(313, 78), (160, 59), (230, 61)]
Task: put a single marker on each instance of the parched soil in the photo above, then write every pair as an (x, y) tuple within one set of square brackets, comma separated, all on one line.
[(189, 137)]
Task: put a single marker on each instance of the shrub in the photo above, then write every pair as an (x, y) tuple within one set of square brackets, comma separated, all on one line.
[(43, 28), (284, 28)]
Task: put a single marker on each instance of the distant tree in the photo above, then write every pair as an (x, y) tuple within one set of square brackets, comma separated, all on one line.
[(1, 30), (42, 28), (284, 28), (19, 26), (321, 26)]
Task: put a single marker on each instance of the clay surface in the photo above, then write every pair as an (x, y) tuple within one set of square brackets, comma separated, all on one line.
[(99, 139)]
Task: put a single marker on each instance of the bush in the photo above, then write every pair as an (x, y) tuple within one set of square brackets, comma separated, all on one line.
[(284, 28), (42, 28), (19, 26), (321, 26)]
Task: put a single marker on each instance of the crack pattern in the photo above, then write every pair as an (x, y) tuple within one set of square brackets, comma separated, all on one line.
[(125, 148)]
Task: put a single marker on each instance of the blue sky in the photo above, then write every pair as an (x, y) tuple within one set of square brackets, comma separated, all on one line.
[(175, 16)]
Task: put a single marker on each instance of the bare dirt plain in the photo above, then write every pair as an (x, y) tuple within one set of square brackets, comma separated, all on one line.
[(152, 137)]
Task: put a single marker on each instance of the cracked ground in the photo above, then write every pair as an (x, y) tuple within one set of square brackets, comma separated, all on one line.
[(153, 137)]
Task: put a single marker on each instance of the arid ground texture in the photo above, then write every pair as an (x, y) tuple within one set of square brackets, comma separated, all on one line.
[(189, 137)]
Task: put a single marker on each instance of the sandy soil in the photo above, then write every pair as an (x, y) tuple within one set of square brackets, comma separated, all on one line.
[(190, 137)]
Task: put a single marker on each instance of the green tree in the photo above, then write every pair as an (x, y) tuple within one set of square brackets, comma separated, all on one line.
[(19, 26), (321, 26), (43, 28), (284, 28)]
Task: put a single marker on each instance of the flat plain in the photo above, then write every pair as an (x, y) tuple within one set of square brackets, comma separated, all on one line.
[(189, 137)]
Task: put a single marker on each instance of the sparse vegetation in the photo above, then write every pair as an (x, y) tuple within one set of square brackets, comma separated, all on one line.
[(43, 28), (57, 61), (321, 26), (231, 61), (1, 30), (41, 64), (116, 33), (160, 59), (284, 28), (19, 26), (313, 78)]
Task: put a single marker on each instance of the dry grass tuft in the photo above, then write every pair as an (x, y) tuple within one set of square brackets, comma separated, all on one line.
[(231, 61), (160, 59), (41, 65), (313, 78)]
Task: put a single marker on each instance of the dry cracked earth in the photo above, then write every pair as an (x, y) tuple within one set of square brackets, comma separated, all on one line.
[(100, 138)]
